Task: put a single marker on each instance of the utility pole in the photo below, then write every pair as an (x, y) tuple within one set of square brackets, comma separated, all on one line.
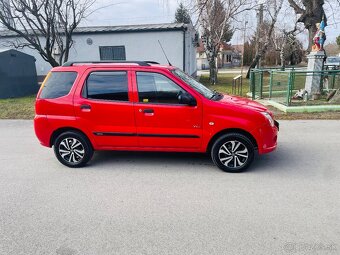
[(244, 43), (258, 31)]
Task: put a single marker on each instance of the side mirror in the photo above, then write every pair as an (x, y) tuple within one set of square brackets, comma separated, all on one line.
[(186, 98)]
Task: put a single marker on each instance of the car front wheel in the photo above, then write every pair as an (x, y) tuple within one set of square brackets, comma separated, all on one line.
[(73, 149), (233, 153)]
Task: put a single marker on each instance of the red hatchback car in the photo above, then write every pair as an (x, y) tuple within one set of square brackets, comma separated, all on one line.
[(144, 106)]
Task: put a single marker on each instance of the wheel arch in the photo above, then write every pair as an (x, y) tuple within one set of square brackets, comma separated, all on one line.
[(59, 131), (228, 131)]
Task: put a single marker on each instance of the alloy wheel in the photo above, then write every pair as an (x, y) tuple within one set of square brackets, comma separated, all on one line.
[(233, 154), (71, 150)]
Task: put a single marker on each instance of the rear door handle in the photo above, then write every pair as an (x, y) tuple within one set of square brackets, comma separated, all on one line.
[(85, 107), (148, 111)]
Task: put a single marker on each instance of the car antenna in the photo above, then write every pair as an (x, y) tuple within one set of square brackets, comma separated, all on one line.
[(164, 53)]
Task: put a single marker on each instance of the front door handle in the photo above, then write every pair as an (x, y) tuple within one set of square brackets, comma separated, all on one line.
[(147, 112)]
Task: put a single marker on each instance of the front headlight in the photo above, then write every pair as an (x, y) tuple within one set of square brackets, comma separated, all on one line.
[(269, 118)]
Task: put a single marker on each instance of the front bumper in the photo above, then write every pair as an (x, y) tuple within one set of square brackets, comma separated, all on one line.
[(269, 136)]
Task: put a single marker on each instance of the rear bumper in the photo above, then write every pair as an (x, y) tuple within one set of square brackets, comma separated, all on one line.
[(268, 150), (42, 130)]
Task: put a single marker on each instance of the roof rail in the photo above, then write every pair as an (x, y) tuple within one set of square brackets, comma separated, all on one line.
[(152, 62), (141, 63)]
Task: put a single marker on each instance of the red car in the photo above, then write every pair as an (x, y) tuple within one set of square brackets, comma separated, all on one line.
[(144, 106)]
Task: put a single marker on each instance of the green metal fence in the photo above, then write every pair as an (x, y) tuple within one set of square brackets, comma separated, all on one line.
[(281, 86)]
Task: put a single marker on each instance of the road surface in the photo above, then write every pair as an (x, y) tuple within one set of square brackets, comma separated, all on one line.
[(148, 203)]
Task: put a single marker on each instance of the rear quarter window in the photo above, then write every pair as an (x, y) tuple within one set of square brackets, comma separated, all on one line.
[(58, 84)]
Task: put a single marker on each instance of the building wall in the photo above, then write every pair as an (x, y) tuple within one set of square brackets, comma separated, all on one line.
[(224, 59), (138, 46), (202, 61), (18, 75), (191, 45)]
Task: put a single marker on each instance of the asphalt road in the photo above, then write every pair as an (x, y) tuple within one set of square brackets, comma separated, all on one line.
[(147, 203)]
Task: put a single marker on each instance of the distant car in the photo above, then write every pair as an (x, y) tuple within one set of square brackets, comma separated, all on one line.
[(333, 63), (144, 106)]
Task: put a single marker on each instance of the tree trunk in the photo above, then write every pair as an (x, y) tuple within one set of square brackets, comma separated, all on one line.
[(253, 64), (258, 57), (311, 33), (213, 71), (282, 53), (335, 98)]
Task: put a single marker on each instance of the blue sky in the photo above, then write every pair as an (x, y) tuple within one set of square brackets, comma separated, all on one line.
[(120, 12)]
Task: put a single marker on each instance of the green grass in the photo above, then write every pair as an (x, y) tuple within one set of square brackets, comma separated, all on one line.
[(17, 108), (224, 84)]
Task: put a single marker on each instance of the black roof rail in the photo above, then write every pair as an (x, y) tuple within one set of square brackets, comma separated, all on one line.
[(152, 62), (141, 63)]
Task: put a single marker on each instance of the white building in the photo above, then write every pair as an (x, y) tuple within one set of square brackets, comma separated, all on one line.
[(228, 56), (133, 42)]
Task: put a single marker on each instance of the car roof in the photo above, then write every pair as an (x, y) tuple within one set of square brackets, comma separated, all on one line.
[(76, 65)]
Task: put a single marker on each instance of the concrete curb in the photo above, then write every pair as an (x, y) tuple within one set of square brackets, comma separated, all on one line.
[(301, 109)]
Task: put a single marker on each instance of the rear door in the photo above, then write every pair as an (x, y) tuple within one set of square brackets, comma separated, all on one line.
[(104, 107), (161, 120)]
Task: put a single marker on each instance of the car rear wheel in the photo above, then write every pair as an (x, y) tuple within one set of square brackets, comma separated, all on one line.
[(233, 153), (73, 149)]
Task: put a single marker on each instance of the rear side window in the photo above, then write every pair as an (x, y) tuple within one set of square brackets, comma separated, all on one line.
[(107, 86), (58, 84)]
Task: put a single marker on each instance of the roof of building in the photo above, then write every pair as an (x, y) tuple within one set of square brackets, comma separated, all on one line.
[(200, 47), (14, 52), (239, 48), (117, 29), (3, 50), (224, 47)]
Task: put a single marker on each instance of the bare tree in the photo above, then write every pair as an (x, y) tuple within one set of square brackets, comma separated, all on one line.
[(215, 18), (44, 25), (272, 10)]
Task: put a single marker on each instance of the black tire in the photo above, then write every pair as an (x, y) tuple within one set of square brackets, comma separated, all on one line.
[(236, 161), (73, 149)]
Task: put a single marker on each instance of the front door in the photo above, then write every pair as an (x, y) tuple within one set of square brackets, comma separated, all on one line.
[(106, 110), (161, 120)]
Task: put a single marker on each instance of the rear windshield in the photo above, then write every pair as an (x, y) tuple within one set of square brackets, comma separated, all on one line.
[(58, 84)]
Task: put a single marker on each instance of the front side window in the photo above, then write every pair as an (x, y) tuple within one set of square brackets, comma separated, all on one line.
[(58, 84), (107, 86), (157, 88), (199, 87)]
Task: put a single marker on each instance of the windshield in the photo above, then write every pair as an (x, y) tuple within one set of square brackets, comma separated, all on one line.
[(333, 60), (199, 87)]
